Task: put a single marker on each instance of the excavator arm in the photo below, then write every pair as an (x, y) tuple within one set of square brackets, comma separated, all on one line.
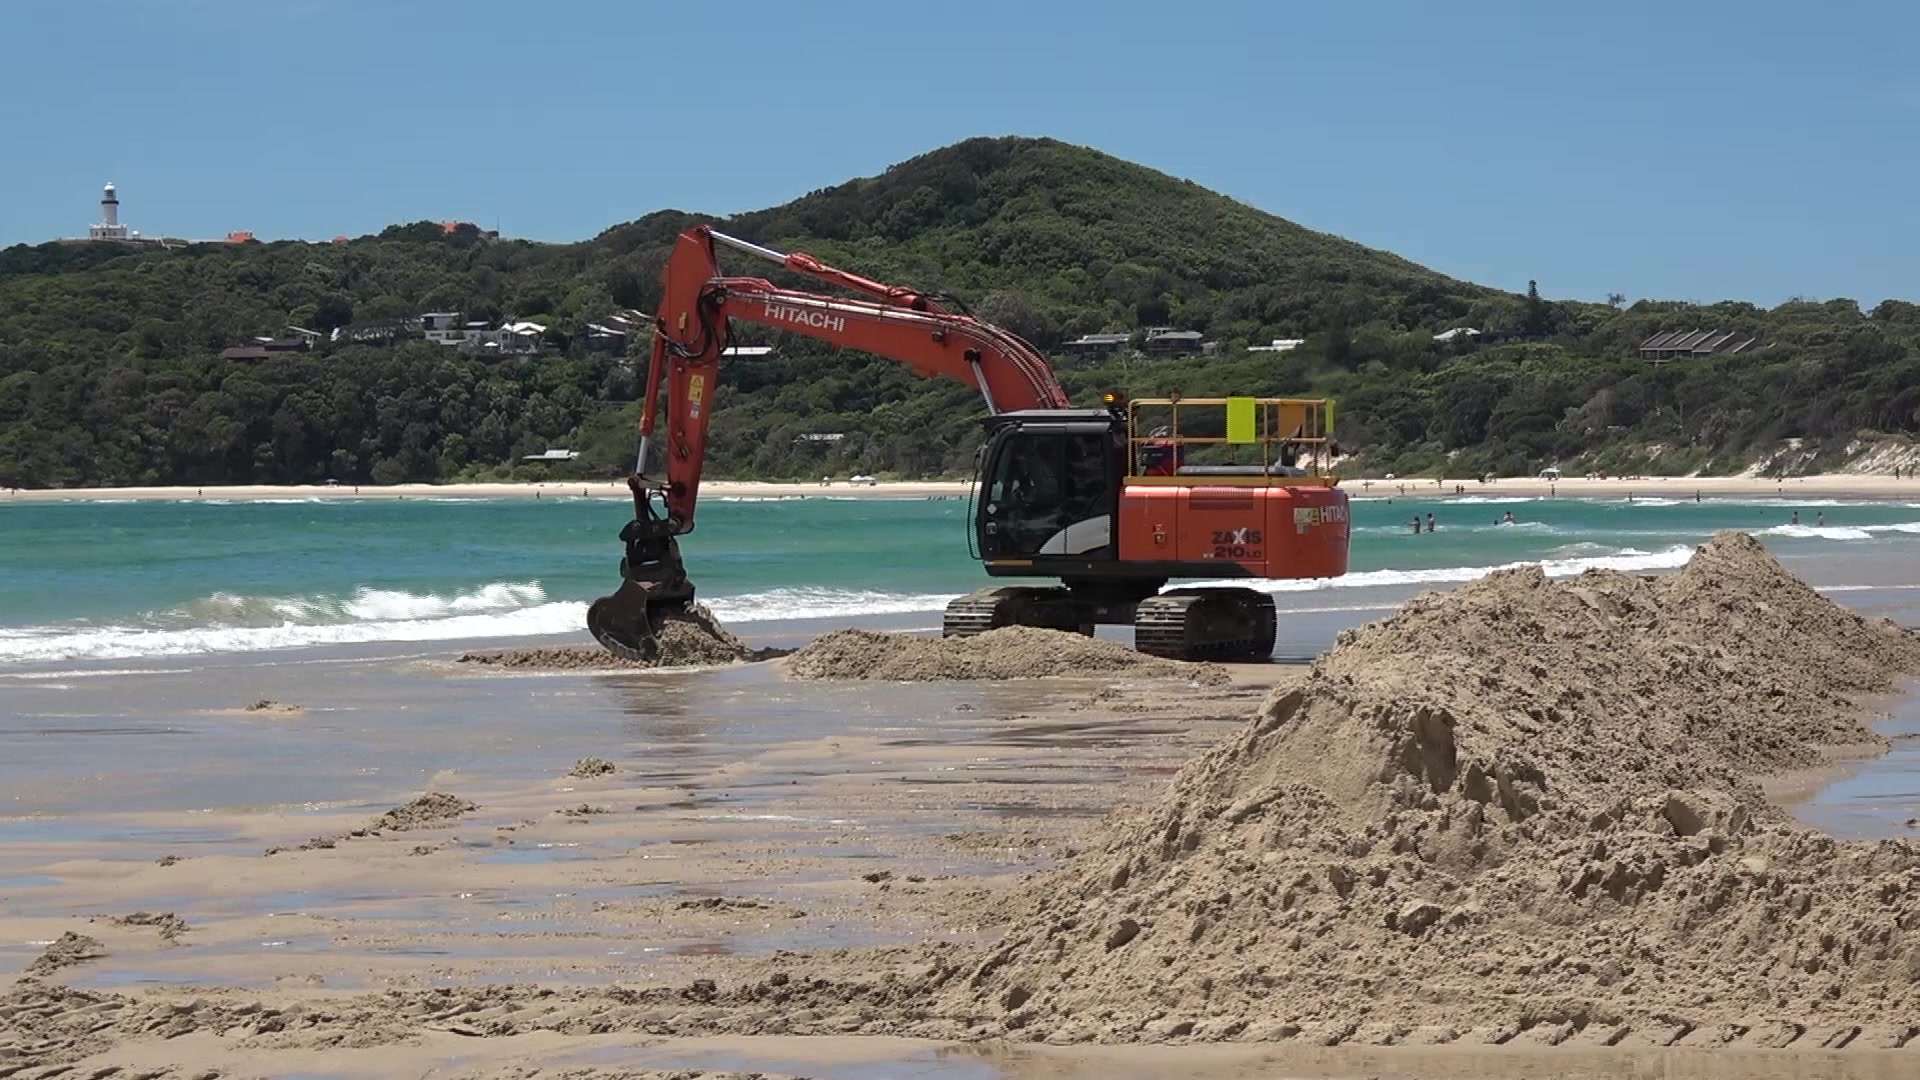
[(692, 333)]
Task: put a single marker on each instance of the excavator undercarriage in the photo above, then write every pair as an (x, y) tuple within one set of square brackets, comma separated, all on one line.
[(1225, 624)]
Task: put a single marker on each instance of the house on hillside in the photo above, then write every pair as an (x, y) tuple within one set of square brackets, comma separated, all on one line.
[(442, 326), (261, 348), (1105, 343), (602, 337), (1462, 334), (1279, 345), (509, 339), (381, 332), (1165, 341), (1684, 344)]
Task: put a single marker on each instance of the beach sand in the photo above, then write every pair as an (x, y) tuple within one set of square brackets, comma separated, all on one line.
[(1825, 486), (749, 889)]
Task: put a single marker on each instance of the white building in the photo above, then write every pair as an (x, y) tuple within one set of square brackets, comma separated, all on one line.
[(1279, 345), (109, 227)]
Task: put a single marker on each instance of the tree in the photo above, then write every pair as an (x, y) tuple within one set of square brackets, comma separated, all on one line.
[(332, 311), (1538, 317)]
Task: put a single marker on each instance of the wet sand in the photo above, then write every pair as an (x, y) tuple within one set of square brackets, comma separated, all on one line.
[(753, 827), (747, 815)]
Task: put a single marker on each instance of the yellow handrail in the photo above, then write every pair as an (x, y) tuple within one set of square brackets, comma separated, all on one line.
[(1294, 436)]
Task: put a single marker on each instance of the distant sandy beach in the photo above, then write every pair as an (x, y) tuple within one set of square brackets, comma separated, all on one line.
[(1827, 486), (603, 489)]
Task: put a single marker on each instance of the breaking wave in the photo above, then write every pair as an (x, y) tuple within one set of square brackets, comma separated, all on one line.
[(1839, 532), (231, 623), (228, 622)]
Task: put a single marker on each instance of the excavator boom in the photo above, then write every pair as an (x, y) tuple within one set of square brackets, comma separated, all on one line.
[(691, 334)]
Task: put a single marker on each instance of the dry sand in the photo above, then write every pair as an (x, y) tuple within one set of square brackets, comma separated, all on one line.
[(1514, 830), (1521, 807), (593, 489), (1862, 485), (1012, 652)]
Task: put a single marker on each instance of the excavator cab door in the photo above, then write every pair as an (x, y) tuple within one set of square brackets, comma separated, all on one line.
[(1049, 489)]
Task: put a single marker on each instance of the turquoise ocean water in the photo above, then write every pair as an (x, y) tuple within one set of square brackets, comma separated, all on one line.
[(98, 580)]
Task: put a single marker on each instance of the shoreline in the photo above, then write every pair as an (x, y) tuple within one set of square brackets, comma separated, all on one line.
[(1847, 486)]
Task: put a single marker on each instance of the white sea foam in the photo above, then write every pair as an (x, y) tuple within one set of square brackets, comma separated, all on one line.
[(1817, 532), (1840, 532), (96, 673), (132, 642), (805, 602), (1666, 559), (228, 623)]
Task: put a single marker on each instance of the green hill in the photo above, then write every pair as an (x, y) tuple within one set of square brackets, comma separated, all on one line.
[(110, 366)]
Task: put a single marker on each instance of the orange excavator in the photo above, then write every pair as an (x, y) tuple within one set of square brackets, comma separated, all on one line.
[(1110, 503)]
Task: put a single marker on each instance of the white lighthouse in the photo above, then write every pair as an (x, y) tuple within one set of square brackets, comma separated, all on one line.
[(109, 227)]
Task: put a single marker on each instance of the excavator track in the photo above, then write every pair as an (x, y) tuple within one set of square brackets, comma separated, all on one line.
[(1206, 624), (1013, 605)]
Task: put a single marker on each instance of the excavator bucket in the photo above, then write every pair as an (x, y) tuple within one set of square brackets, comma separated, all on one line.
[(653, 588)]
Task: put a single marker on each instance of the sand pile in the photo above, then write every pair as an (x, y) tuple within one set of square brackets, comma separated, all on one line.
[(589, 767), (169, 925), (1522, 803), (433, 808), (68, 950), (695, 639), (1011, 652)]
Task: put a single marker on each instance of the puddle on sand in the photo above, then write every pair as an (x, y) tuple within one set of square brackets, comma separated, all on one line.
[(27, 881), (67, 830), (1879, 796), (538, 853), (1025, 810)]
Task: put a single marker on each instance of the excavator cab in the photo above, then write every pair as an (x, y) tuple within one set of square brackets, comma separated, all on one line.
[(1116, 504), (1050, 485)]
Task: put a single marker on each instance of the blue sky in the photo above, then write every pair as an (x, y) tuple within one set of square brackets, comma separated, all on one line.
[(1690, 150)]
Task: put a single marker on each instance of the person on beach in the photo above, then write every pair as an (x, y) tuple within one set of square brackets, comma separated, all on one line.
[(1820, 518), (1429, 522), (1796, 518), (1508, 519), (1416, 524)]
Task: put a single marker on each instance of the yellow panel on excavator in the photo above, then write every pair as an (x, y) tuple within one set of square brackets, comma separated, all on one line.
[(1240, 420)]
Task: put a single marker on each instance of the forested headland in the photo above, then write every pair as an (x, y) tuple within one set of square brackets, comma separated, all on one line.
[(111, 369)]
